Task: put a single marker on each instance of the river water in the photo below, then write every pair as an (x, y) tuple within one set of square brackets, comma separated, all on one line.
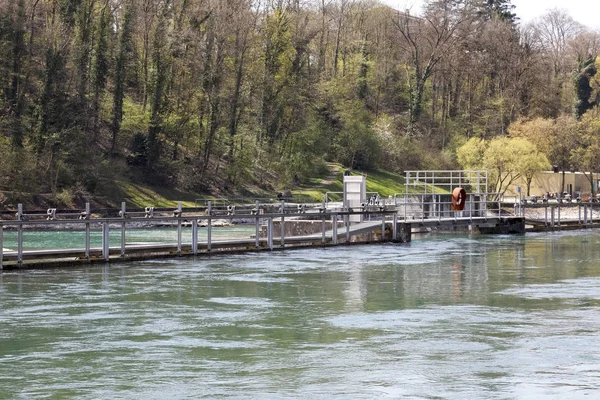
[(443, 317)]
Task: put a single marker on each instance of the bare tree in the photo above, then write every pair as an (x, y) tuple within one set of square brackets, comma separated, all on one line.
[(555, 30), (427, 41)]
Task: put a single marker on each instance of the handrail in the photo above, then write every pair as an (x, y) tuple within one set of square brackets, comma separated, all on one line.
[(178, 218)]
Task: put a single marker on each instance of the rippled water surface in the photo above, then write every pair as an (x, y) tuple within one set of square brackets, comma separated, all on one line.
[(446, 317)]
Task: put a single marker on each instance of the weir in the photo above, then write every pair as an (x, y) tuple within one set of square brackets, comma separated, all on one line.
[(360, 218), (328, 227)]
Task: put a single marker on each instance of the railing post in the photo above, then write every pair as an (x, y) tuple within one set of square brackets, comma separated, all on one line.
[(179, 210), (579, 209), (546, 215), (195, 236), (347, 224), (20, 235), (405, 202), (87, 232), (395, 227), (282, 227), (209, 226), (558, 215), (471, 207), (1, 244), (257, 243), (270, 233), (123, 211), (383, 228), (334, 238), (105, 241), (552, 216), (522, 206), (585, 219), (323, 240)]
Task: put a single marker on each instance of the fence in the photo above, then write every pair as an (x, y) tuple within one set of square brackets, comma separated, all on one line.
[(178, 218)]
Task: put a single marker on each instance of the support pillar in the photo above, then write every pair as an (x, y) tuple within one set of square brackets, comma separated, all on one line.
[(123, 215), (334, 238), (195, 236), (87, 232), (257, 228), (105, 241), (20, 235), (209, 226), (179, 211), (282, 227), (270, 233), (404, 232), (1, 244)]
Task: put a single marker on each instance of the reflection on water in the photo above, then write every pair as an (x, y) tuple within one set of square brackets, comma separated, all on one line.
[(443, 317)]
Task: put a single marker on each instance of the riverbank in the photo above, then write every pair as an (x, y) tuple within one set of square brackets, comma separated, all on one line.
[(139, 195)]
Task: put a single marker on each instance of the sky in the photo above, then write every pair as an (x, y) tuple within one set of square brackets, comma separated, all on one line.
[(586, 12)]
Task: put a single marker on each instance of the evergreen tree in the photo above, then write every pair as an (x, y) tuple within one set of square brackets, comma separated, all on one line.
[(500, 9), (100, 68), (14, 92), (82, 49), (586, 69), (277, 63), (50, 105), (161, 65), (121, 64)]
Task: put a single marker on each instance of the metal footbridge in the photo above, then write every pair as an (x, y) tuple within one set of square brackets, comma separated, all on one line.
[(358, 217)]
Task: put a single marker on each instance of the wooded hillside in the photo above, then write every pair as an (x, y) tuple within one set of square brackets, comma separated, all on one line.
[(207, 95)]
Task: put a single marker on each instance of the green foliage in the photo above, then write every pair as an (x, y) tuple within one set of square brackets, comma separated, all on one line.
[(505, 159), (356, 145), (471, 155), (383, 182), (232, 99), (586, 156), (18, 169), (500, 9), (121, 67), (64, 198), (101, 62), (67, 10), (555, 138), (135, 122), (279, 52), (305, 154), (137, 195)]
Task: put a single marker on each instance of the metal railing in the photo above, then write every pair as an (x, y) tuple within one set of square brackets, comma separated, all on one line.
[(336, 199), (186, 221), (422, 207), (557, 214), (436, 181), (240, 201)]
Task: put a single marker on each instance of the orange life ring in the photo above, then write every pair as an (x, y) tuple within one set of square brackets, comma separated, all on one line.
[(459, 197)]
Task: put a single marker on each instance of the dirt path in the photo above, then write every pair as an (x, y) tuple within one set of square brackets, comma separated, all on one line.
[(334, 171)]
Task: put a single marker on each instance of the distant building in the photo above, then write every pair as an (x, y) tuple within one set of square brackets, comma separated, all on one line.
[(551, 182)]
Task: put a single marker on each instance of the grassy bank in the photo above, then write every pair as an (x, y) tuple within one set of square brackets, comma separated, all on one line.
[(138, 195)]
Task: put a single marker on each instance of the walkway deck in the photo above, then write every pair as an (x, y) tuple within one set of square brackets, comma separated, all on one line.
[(364, 232)]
